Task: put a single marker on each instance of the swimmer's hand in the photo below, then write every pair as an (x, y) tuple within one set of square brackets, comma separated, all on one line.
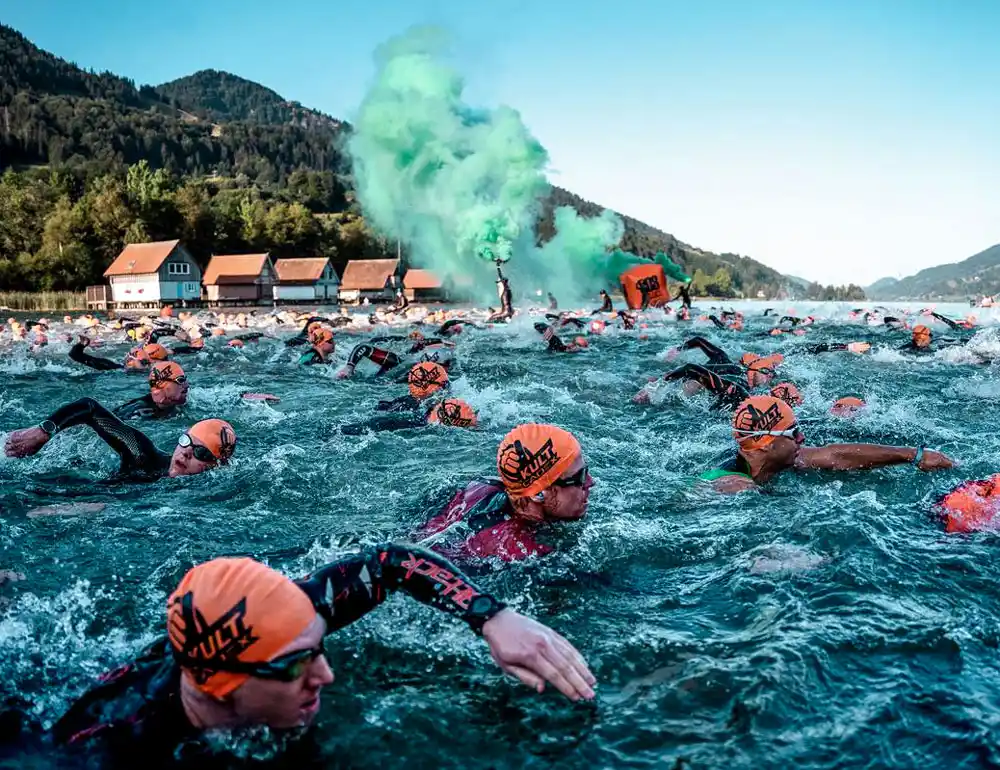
[(858, 347), (84, 340), (260, 397), (344, 373), (536, 654), (22, 443), (642, 397), (935, 461)]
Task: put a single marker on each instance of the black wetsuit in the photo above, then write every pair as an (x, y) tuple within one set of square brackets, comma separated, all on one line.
[(405, 403), (556, 345), (825, 347), (386, 359), (729, 393), (386, 423), (628, 321), (140, 459), (312, 357), (684, 292), (446, 327), (607, 307), (506, 303), (718, 361), (143, 408), (135, 714), (78, 353)]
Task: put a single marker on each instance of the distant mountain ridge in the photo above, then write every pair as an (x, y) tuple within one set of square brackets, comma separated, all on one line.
[(972, 278)]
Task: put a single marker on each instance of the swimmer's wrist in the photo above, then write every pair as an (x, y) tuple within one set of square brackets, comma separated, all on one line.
[(918, 456), (481, 610), (49, 427)]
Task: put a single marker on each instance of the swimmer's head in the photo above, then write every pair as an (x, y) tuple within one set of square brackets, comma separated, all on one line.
[(760, 371), (597, 327), (155, 351), (264, 663), (972, 505), (453, 412), (205, 445), (767, 424), (425, 379), (921, 336), (788, 393), (136, 360), (168, 385), (847, 406), (544, 472)]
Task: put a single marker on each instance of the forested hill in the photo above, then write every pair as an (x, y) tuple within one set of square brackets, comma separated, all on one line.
[(228, 165), (220, 96), (972, 278)]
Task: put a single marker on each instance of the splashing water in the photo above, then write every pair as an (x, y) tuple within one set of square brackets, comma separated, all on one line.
[(828, 623)]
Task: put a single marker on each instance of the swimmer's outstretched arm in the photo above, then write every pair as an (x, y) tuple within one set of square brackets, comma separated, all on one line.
[(701, 375), (351, 587), (851, 457), (717, 322), (78, 354), (133, 447), (946, 320), (715, 354)]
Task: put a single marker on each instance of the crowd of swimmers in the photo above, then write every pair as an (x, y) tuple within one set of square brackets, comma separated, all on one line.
[(244, 644)]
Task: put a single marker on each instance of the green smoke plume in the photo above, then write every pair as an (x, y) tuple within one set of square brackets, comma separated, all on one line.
[(462, 187), (459, 186)]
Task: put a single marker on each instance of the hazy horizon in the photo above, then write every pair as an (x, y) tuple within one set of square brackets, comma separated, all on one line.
[(838, 144)]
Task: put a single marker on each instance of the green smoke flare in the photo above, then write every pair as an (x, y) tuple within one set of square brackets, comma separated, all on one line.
[(459, 186)]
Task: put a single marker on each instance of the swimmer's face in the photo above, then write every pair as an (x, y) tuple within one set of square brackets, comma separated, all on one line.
[(285, 705), (184, 463), (170, 393), (569, 502)]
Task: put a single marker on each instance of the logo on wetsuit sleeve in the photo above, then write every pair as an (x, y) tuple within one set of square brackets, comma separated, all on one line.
[(751, 420), (521, 467), (203, 644)]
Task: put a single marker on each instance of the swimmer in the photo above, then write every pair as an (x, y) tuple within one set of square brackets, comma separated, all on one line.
[(555, 345), (770, 441), (322, 348), (451, 412), (606, 304), (788, 393), (137, 359), (168, 389), (847, 406), (728, 393), (553, 303), (506, 311), (244, 646), (543, 478), (204, 446), (424, 380), (829, 347)]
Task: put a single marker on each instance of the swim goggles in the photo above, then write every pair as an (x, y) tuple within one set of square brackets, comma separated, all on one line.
[(285, 668), (578, 479), (795, 432), (201, 453)]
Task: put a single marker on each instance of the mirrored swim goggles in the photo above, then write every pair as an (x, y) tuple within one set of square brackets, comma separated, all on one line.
[(202, 453)]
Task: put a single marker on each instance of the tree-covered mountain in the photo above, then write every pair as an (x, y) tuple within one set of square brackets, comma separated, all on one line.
[(222, 97), (973, 278), (236, 166)]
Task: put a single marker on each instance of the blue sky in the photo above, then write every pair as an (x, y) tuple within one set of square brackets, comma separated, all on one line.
[(839, 141)]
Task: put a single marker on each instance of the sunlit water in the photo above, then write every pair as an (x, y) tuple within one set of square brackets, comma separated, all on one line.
[(827, 623)]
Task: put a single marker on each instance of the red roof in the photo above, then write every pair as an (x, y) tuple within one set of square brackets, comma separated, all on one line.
[(234, 268), (141, 258), (421, 279), (368, 274), (300, 270)]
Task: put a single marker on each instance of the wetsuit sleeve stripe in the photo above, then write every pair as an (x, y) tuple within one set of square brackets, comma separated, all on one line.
[(348, 589), (77, 354), (132, 446)]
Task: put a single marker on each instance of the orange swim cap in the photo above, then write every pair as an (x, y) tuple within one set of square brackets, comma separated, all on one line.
[(155, 351), (426, 378), (533, 455), (233, 610), (788, 393), (758, 414), (846, 406), (217, 436), (218, 332), (162, 372), (416, 335), (971, 505), (453, 412), (922, 333), (748, 358)]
